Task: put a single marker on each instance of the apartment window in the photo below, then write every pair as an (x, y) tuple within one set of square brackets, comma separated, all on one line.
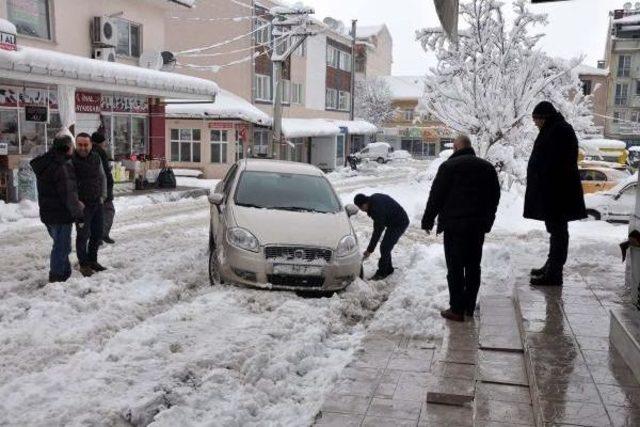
[(286, 91), (129, 38), (333, 57), (345, 61), (185, 145), (297, 93), (361, 63), (637, 87), (624, 65), (635, 116), (282, 44), (408, 115), (219, 144), (263, 32), (344, 101), (586, 87), (618, 116), (262, 87), (31, 17), (332, 99), (622, 93)]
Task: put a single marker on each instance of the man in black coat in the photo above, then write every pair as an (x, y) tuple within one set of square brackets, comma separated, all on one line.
[(387, 214), (92, 191), (108, 209), (58, 202), (554, 191), (464, 196)]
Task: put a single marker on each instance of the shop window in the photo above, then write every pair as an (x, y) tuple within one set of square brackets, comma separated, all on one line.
[(219, 144), (121, 137), (185, 145), (31, 17), (9, 130), (261, 143), (340, 149), (53, 127), (32, 136), (129, 38), (138, 135), (299, 150)]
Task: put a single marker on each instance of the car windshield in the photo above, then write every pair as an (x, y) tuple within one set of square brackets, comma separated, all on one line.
[(286, 191)]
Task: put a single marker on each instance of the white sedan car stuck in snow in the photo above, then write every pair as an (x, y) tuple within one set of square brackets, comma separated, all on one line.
[(277, 224), (616, 204)]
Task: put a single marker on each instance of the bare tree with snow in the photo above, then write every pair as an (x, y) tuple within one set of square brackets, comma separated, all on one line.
[(373, 101), (488, 81)]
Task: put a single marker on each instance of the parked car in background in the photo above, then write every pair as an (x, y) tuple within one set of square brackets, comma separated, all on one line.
[(586, 164), (634, 156), (376, 151), (616, 204), (600, 179), (277, 224)]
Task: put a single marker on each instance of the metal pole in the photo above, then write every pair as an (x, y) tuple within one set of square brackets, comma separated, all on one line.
[(277, 104), (354, 24)]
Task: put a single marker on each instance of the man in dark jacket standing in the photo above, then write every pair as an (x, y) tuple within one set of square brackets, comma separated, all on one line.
[(92, 190), (554, 191), (386, 214), (108, 210), (464, 196), (58, 202)]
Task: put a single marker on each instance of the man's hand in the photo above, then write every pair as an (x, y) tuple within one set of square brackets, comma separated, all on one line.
[(366, 254), (81, 205)]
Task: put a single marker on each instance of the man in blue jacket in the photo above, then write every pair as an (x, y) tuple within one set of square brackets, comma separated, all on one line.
[(387, 214)]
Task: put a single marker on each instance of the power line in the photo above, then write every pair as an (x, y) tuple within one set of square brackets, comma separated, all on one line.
[(223, 43), (230, 52), (197, 18)]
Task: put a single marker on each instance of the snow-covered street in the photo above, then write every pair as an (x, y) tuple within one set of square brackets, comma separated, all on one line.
[(150, 342)]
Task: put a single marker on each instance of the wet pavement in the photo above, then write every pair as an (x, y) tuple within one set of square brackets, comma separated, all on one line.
[(532, 357)]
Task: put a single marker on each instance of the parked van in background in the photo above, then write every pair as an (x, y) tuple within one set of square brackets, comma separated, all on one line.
[(376, 151)]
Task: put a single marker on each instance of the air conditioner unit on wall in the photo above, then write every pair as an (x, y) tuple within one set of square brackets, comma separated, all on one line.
[(104, 32), (105, 54)]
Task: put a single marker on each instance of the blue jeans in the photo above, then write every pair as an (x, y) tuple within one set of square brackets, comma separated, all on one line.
[(89, 236), (60, 268)]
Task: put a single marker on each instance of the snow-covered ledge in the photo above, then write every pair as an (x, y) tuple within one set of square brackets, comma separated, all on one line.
[(50, 67)]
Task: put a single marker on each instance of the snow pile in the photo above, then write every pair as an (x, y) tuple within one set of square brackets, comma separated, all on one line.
[(597, 144), (226, 106), (7, 27), (12, 212), (56, 64), (405, 87), (401, 155), (194, 173)]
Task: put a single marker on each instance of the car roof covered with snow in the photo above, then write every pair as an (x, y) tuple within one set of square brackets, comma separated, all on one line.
[(280, 166)]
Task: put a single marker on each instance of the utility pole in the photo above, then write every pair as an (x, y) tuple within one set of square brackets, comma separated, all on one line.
[(288, 24), (354, 25)]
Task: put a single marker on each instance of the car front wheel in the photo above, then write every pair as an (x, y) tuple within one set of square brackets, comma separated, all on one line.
[(380, 160), (214, 268)]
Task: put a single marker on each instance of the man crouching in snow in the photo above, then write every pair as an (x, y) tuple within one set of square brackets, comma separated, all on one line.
[(386, 214), (464, 196), (58, 202)]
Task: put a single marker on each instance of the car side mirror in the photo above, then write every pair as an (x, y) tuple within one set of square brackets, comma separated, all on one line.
[(216, 198), (617, 196), (351, 209)]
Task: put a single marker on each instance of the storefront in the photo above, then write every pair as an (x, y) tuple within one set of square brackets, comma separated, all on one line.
[(42, 92), (421, 142), (210, 137)]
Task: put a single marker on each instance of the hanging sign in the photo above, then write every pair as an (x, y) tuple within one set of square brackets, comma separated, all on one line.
[(88, 102), (8, 41), (36, 113)]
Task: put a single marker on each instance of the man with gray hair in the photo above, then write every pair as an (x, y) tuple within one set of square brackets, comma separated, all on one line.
[(464, 196)]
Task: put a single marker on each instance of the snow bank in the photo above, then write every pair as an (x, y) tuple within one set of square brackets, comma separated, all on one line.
[(187, 172), (226, 106), (12, 212)]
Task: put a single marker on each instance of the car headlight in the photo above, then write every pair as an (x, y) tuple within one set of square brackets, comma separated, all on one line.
[(347, 246), (243, 239)]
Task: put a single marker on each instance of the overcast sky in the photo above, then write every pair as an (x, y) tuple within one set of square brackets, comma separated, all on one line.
[(575, 26)]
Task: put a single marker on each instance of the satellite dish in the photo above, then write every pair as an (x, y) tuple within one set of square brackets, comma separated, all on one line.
[(627, 6), (638, 6), (151, 60)]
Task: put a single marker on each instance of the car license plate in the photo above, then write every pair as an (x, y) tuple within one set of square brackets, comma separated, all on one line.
[(297, 270)]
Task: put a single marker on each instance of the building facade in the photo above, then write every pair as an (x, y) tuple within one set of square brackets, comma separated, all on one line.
[(374, 51), (595, 83), (623, 60)]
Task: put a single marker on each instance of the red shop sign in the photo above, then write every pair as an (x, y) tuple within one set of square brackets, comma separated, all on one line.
[(88, 102)]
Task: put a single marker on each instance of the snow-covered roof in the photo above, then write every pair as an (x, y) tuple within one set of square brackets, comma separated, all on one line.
[(631, 19), (226, 106), (357, 127), (367, 31), (405, 87), (50, 67), (301, 128), (584, 69)]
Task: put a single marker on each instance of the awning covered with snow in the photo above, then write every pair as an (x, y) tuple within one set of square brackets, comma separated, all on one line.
[(226, 106), (303, 128), (55, 68), (357, 127)]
